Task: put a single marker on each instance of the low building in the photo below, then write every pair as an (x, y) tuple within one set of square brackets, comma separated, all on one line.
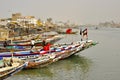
[(4, 34), (27, 21)]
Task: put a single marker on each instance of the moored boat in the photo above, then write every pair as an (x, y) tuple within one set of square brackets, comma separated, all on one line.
[(61, 53), (38, 42), (43, 58), (79, 46), (11, 66)]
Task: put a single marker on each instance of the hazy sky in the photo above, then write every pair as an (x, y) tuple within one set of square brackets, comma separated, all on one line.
[(76, 11)]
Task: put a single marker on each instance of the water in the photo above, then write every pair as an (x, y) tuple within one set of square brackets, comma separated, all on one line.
[(100, 62)]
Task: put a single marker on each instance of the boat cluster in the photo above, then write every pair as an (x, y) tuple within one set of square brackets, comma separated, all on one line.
[(12, 62)]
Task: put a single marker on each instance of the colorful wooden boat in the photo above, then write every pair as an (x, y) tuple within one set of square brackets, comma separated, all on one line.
[(28, 53), (62, 32), (75, 49), (11, 66), (38, 42), (62, 53)]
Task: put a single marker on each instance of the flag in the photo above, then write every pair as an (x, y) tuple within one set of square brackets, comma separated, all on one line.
[(85, 32)]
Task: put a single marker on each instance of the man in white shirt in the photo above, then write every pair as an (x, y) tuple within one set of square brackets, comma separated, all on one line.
[(32, 43)]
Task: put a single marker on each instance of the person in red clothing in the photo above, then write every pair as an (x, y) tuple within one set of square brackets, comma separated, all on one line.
[(47, 47)]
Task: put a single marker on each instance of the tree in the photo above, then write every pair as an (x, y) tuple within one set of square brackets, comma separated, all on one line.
[(39, 23)]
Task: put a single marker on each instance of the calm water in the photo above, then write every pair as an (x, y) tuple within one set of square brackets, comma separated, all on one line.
[(100, 62)]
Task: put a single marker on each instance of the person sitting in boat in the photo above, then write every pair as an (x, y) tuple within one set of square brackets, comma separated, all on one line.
[(5, 43), (32, 43), (47, 47), (11, 62), (7, 62), (43, 43)]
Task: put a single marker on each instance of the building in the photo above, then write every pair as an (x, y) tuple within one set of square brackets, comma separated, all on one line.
[(27, 21), (4, 34), (16, 16)]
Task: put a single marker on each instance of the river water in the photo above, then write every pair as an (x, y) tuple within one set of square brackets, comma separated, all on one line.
[(100, 62)]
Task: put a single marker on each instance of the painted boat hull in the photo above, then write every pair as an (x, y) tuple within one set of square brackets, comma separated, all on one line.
[(11, 71)]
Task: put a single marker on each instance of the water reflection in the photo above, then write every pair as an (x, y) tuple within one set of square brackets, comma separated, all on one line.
[(37, 72), (74, 67), (82, 62)]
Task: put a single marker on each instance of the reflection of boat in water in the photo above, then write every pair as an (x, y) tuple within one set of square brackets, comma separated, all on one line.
[(81, 62), (75, 63)]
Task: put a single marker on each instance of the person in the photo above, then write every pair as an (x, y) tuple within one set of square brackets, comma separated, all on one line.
[(5, 43), (47, 47), (81, 34), (32, 43), (43, 43), (80, 31)]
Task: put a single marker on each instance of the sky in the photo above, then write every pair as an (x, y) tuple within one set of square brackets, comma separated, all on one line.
[(73, 11)]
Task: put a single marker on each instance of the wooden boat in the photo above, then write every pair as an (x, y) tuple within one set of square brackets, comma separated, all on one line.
[(67, 31), (35, 60), (77, 48), (41, 61), (19, 54), (38, 42), (51, 57), (45, 59), (11, 66), (27, 54), (15, 48), (62, 32)]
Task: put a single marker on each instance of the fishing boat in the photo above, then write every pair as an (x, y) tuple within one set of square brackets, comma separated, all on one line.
[(42, 58), (38, 42), (28, 54), (62, 32), (11, 66), (73, 49), (60, 53), (48, 58), (41, 61)]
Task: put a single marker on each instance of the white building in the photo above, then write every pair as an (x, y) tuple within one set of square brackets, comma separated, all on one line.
[(27, 21)]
